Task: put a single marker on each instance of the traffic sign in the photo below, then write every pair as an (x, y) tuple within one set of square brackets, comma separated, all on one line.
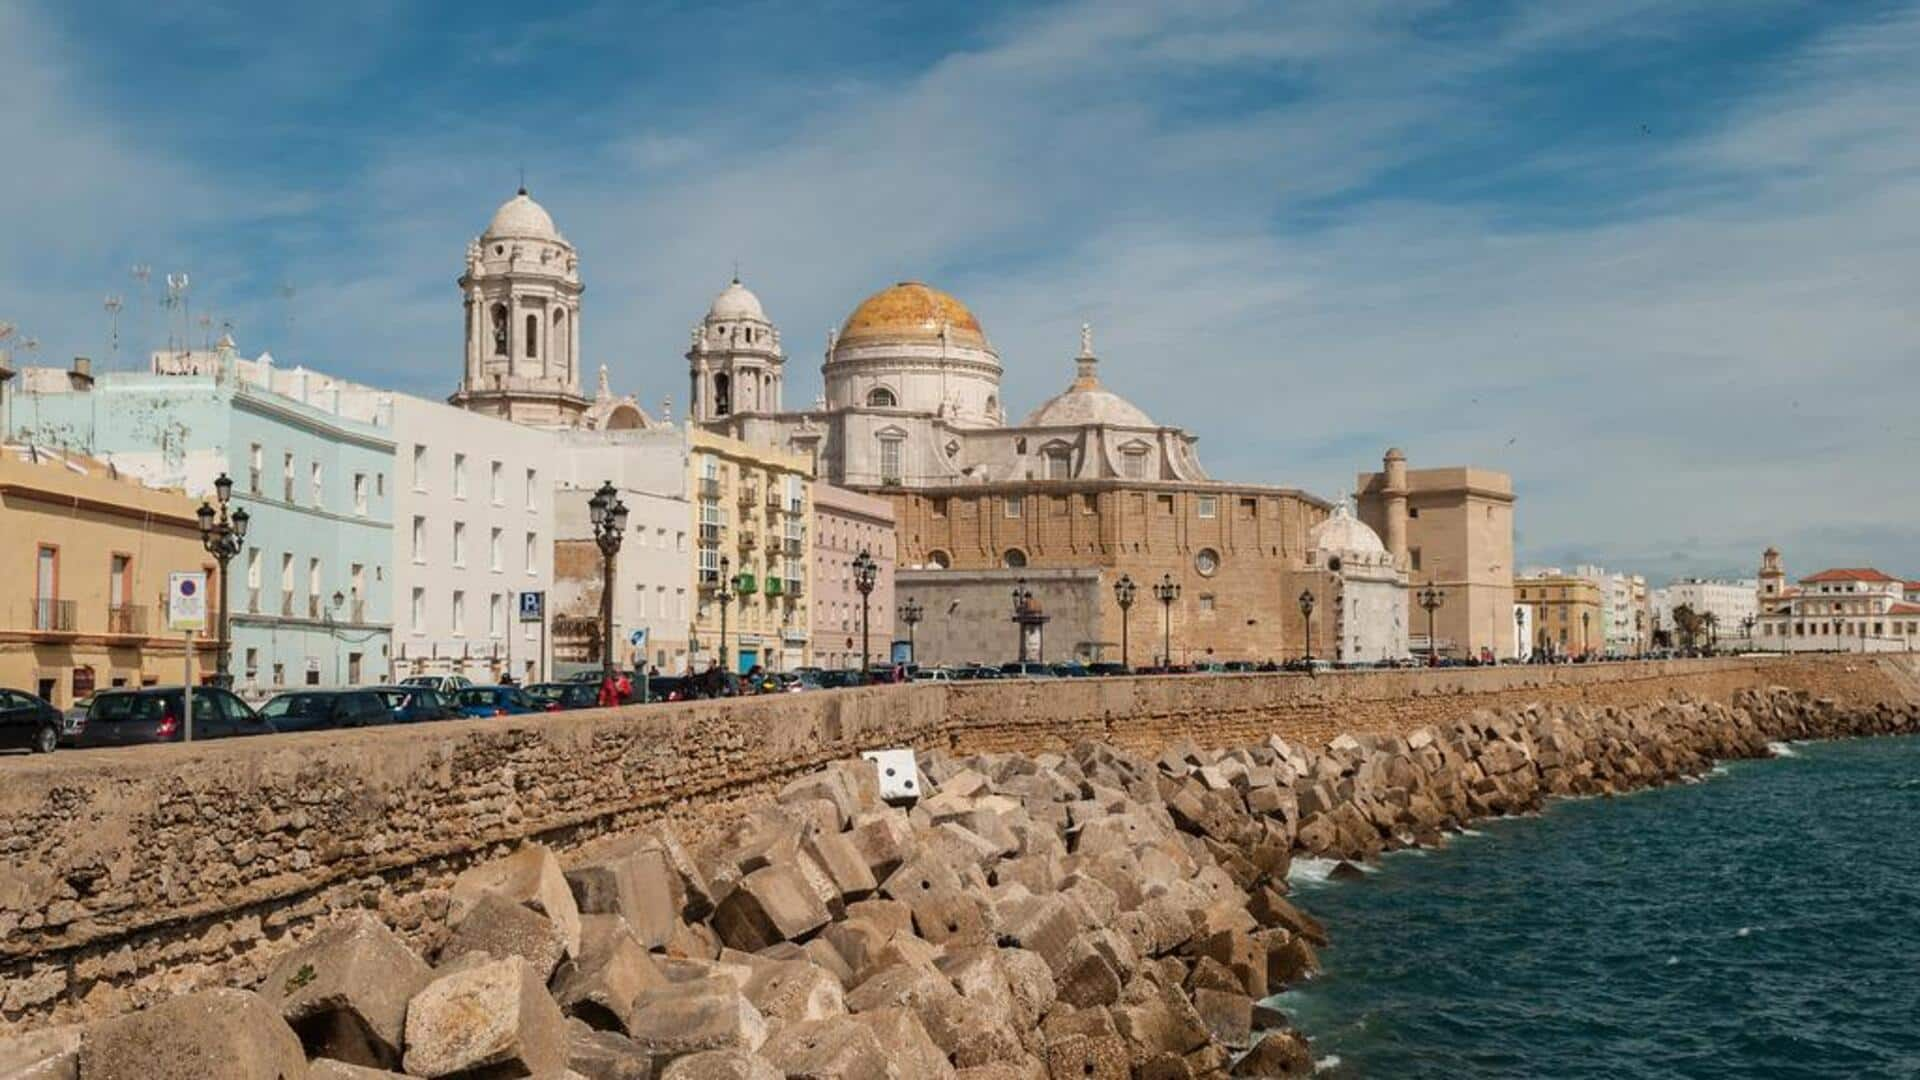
[(533, 607), (638, 638), (187, 600)]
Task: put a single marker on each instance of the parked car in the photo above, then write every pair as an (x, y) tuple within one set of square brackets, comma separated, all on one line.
[(933, 675), (1071, 669), (28, 722), (157, 714), (669, 688), (565, 695), (416, 704), (446, 684), (326, 710), (496, 701), (1014, 669), (1106, 668)]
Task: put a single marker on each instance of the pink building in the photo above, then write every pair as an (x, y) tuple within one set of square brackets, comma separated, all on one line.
[(846, 523)]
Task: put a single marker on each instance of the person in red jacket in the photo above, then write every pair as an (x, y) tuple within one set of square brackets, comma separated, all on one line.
[(609, 692), (623, 688)]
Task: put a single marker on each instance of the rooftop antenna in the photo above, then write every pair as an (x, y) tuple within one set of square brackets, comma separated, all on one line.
[(177, 285), (736, 271), (112, 305), (523, 178)]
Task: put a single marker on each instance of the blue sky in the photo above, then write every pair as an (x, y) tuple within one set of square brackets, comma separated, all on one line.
[(1653, 257)]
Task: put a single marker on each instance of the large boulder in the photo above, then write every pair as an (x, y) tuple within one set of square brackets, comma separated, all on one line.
[(837, 1048), (637, 881), (487, 1014), (47, 1054), (496, 926), (345, 991), (720, 1065), (530, 876), (771, 905), (603, 1055), (209, 1035), (688, 1018), (613, 968)]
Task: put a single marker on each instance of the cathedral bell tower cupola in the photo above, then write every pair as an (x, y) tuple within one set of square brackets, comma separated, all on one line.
[(522, 290), (734, 363)]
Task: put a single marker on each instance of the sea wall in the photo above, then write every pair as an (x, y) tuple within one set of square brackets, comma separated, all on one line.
[(127, 876)]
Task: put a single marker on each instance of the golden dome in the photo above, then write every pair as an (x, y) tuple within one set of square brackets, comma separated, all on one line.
[(912, 312)]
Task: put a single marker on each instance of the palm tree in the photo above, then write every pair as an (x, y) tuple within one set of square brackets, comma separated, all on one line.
[(1712, 623), (1688, 622)]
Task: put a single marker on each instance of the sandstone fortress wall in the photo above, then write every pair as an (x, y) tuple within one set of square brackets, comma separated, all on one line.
[(128, 876)]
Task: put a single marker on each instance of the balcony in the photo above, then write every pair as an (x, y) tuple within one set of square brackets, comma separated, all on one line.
[(710, 534), (773, 502), (745, 584), (709, 487), (796, 588), (796, 506), (775, 586), (749, 540), (127, 619), (54, 616), (748, 495), (792, 545)]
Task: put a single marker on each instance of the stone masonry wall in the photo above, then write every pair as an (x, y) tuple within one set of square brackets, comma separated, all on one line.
[(130, 875)]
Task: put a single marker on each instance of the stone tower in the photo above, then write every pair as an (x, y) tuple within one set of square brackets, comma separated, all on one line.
[(1395, 473), (522, 289), (734, 363), (1773, 581)]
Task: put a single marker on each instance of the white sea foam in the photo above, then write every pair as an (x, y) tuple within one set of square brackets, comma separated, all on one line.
[(1311, 871), (1718, 770), (1743, 931), (1331, 1061), (1672, 961), (1471, 832), (1781, 749)]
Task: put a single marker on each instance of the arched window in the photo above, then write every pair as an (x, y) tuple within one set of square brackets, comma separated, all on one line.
[(1014, 559), (940, 560), (722, 395), (558, 349), (499, 329), (881, 398), (533, 336)]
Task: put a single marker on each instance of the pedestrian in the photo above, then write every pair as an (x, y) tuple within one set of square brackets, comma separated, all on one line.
[(623, 688), (609, 692)]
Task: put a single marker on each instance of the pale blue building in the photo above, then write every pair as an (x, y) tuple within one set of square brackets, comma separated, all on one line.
[(311, 593)]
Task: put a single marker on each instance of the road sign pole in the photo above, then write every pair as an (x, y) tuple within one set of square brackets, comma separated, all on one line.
[(187, 691)]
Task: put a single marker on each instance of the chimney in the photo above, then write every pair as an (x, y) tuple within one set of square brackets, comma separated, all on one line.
[(81, 377)]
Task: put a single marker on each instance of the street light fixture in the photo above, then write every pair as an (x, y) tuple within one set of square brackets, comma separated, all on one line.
[(222, 533), (911, 613), (1431, 598), (865, 573), (1166, 591), (723, 595), (609, 517), (1022, 614), (1306, 616), (1586, 635), (1519, 627), (1123, 595)]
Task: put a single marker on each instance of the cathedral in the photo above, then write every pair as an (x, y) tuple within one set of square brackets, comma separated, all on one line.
[(1097, 521)]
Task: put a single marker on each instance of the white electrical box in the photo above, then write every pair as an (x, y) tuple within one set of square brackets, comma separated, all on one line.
[(899, 776)]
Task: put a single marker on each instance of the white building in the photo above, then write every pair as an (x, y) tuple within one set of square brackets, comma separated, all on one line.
[(1731, 603), (648, 467), (1847, 609), (1624, 612), (1368, 592)]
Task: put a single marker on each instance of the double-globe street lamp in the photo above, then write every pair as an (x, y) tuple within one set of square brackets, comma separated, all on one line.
[(865, 573), (222, 533), (1431, 598), (1166, 591), (609, 518), (1123, 595), (1306, 616), (911, 613), (723, 595), (1519, 628)]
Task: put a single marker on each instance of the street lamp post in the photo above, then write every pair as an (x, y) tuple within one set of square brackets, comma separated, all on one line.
[(911, 613), (723, 595), (865, 573), (1519, 627), (1123, 595), (1431, 598), (1746, 624), (1586, 635), (609, 519), (1166, 591), (1306, 616), (222, 532)]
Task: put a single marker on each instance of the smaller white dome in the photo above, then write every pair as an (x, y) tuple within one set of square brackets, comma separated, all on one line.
[(736, 301), (522, 218), (1345, 535)]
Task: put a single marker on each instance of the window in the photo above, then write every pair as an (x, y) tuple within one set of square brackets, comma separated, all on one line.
[(1059, 463), (1413, 511), (419, 610), (253, 663), (253, 581), (286, 583), (380, 485), (459, 543), (1165, 504), (459, 613), (119, 589), (532, 555), (1206, 602), (1133, 463), (493, 550), (419, 539), (46, 587), (419, 467), (360, 494), (1209, 506), (1014, 559), (881, 398), (1206, 562), (496, 615), (1015, 506), (459, 476), (255, 466), (313, 588), (1413, 555), (533, 484), (318, 490), (889, 461), (938, 506), (498, 479), (286, 477)]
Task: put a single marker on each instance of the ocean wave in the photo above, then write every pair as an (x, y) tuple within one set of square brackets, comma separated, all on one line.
[(1311, 871), (1780, 749), (1331, 1061)]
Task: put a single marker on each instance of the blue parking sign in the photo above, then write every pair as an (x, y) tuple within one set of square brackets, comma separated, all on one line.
[(533, 607)]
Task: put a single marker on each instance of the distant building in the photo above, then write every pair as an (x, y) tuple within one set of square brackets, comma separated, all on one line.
[(1624, 611), (846, 523), (1360, 607), (1847, 609), (1565, 612), (1451, 528), (313, 589), (751, 550), (1730, 602), (88, 553)]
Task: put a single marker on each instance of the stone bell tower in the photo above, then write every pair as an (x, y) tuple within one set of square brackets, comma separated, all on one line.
[(734, 362), (522, 288)]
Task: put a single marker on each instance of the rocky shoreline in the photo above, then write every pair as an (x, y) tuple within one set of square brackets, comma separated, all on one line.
[(1089, 914)]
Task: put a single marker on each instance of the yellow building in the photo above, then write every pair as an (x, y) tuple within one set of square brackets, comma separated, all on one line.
[(83, 576), (751, 507), (1565, 611)]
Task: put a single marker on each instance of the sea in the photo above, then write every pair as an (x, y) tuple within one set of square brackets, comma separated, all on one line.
[(1761, 922)]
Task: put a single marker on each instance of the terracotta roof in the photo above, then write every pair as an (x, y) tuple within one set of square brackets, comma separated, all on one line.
[(1849, 573), (1903, 609)]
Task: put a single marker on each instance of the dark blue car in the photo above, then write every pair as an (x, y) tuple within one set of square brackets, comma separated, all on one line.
[(326, 710), (414, 704), (496, 701)]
